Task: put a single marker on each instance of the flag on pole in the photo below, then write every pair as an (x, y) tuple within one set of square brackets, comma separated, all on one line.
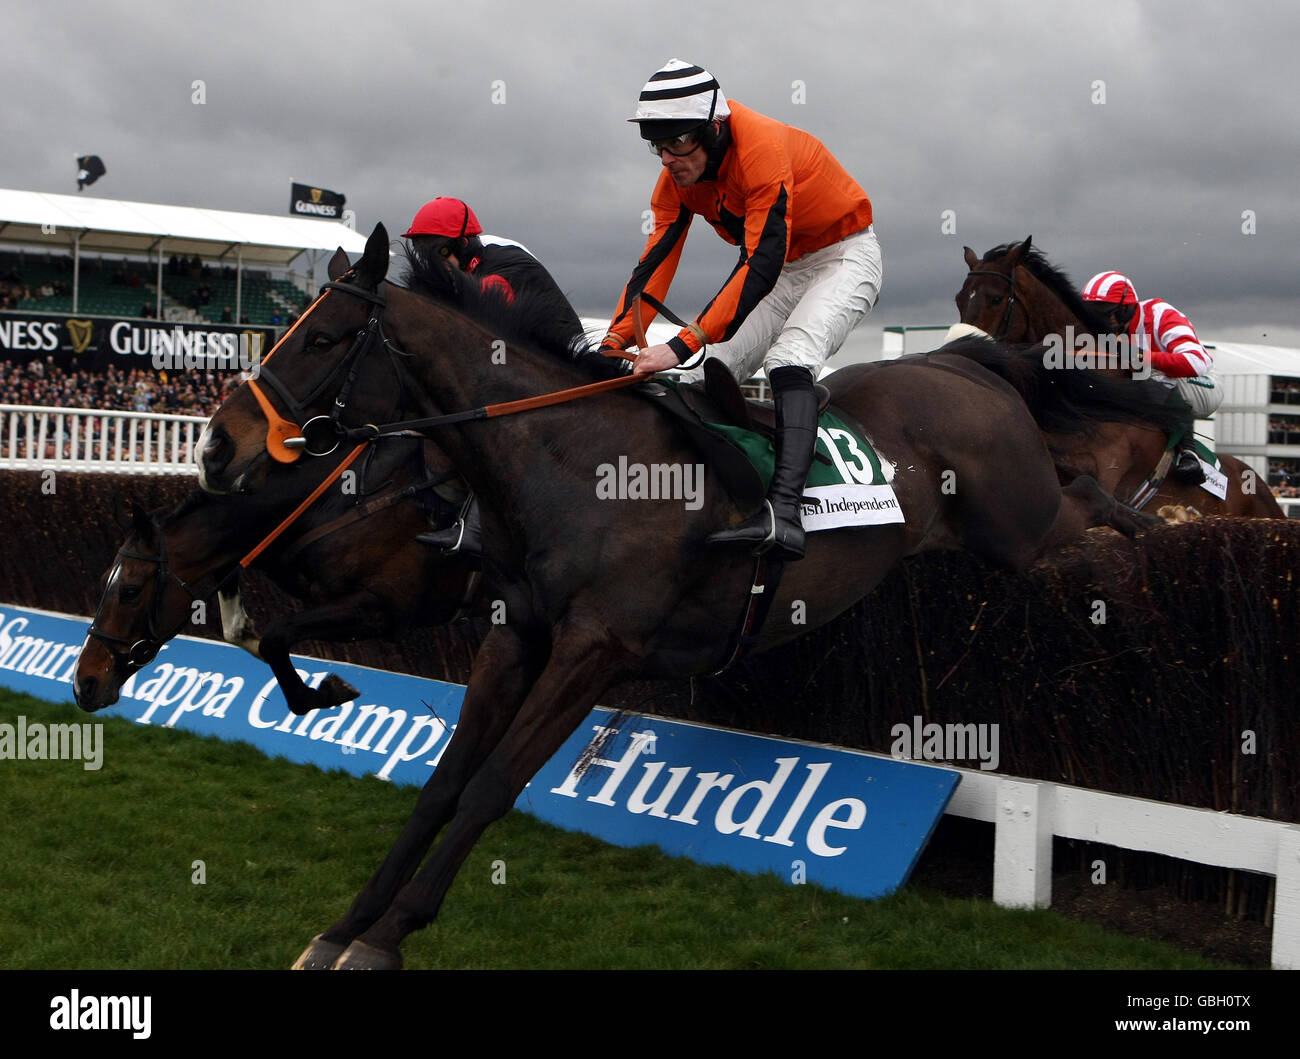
[(305, 200), (89, 169)]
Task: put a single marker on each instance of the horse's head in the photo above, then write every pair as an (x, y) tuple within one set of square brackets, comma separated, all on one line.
[(142, 606), (1015, 294), (316, 364), (990, 299)]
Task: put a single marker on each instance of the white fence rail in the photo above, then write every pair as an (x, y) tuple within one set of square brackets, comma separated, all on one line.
[(87, 439), (1027, 814)]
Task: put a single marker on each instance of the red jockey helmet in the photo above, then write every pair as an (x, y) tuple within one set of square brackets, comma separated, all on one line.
[(1114, 288), (1110, 287), (444, 216)]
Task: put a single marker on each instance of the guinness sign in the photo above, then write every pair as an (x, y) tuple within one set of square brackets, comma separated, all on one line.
[(307, 201)]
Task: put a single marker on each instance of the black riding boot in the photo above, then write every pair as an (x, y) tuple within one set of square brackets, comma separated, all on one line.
[(464, 537), (777, 524), (1187, 467)]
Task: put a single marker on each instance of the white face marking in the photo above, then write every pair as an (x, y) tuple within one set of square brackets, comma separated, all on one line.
[(200, 450), (113, 575)]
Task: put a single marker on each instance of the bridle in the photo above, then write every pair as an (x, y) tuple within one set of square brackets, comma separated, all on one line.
[(320, 435), (133, 655), (1012, 301)]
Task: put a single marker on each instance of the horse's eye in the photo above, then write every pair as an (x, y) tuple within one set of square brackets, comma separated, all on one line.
[(129, 593), (322, 341)]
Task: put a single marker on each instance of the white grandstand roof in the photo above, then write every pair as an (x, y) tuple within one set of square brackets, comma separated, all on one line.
[(118, 227), (1236, 358)]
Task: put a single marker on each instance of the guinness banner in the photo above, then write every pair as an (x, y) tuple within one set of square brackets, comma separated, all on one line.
[(94, 343), (307, 201)]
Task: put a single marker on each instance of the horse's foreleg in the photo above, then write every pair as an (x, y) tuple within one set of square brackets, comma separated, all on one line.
[(504, 670), (1084, 504), (580, 668), (236, 626), (359, 616)]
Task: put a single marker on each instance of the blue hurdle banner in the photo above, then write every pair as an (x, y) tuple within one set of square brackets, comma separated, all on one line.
[(847, 820)]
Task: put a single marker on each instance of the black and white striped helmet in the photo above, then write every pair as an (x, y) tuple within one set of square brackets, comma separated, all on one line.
[(679, 97)]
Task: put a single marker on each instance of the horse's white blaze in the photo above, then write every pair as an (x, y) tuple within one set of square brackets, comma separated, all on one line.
[(200, 461), (200, 453)]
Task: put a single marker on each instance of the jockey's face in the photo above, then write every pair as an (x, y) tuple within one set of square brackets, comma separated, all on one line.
[(686, 169), (430, 246), (1121, 319)]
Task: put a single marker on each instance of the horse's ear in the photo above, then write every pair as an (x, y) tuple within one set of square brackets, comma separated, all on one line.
[(1017, 253), (120, 518), (339, 264), (971, 259), (141, 523), (373, 266)]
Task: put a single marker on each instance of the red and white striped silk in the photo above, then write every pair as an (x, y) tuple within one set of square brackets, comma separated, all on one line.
[(1175, 349)]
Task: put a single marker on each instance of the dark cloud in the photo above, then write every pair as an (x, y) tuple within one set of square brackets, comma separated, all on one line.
[(991, 111)]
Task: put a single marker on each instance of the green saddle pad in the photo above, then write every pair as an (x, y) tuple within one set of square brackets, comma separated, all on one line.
[(844, 456)]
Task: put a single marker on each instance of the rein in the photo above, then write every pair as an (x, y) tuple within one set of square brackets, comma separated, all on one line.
[(322, 434), (370, 432), (312, 497)]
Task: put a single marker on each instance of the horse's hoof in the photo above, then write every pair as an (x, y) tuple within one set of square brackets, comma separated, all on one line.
[(318, 956), (362, 957), (1177, 514), (337, 690), (333, 692)]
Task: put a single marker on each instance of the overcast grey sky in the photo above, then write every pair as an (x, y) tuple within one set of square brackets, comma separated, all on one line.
[(1120, 134)]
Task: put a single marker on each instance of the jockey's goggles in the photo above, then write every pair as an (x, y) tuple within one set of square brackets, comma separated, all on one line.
[(428, 245), (677, 146)]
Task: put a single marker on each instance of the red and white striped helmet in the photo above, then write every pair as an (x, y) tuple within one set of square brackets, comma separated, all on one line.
[(1112, 287)]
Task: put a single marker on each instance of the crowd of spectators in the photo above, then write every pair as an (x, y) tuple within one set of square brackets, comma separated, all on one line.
[(1284, 430), (1284, 391), (196, 268), (14, 288), (45, 384), (138, 390), (1284, 477)]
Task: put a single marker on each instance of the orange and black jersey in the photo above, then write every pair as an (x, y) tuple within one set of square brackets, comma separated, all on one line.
[(778, 194)]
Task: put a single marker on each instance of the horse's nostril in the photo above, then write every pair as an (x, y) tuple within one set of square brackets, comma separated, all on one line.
[(85, 690)]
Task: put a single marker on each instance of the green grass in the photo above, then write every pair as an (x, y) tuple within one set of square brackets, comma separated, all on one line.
[(96, 873)]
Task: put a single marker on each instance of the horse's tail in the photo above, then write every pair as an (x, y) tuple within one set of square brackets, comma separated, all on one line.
[(1073, 400)]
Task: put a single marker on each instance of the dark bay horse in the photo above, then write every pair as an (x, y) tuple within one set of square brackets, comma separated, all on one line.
[(353, 556), (597, 591), (1013, 294)]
